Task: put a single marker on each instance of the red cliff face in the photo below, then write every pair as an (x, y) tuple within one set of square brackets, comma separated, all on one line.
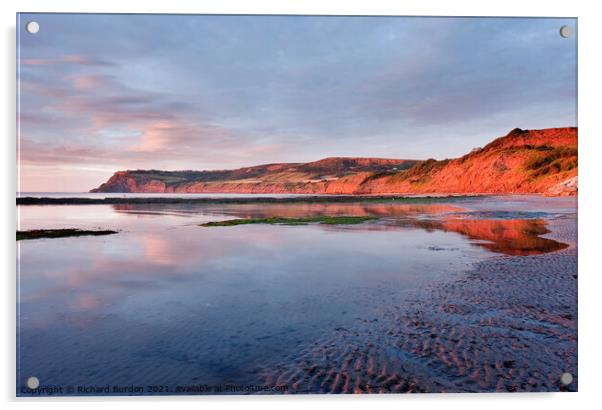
[(122, 181), (535, 161), (540, 161)]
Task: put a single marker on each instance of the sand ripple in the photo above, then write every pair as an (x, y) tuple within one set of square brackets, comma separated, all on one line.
[(509, 324)]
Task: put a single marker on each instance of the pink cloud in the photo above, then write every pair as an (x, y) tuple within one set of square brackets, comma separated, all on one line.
[(88, 81), (85, 60), (75, 59), (36, 61), (68, 59), (156, 136)]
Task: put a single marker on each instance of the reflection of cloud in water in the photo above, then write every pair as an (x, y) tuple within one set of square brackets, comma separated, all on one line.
[(157, 249), (98, 279), (88, 302)]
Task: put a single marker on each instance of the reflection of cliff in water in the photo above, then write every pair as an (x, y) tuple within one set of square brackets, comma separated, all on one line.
[(516, 237), (299, 210)]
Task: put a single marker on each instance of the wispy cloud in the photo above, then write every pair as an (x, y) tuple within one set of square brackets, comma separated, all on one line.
[(68, 59)]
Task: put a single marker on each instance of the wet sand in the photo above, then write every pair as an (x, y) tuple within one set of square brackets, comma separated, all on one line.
[(509, 324)]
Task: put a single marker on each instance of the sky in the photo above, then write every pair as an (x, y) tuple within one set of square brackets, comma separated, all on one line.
[(101, 93)]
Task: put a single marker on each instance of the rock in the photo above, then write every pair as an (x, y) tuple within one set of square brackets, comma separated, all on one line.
[(565, 188)]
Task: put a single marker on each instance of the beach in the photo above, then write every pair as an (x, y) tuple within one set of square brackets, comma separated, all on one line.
[(459, 294)]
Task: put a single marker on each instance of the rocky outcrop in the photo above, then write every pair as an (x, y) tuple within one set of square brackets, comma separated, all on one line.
[(123, 181), (565, 188), (523, 161)]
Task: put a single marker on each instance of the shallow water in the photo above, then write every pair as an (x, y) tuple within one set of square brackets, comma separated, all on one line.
[(166, 302)]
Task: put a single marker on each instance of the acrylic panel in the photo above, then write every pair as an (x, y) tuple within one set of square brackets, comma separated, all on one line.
[(247, 204)]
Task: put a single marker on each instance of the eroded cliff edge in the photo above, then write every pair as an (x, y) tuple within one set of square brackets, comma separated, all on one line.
[(523, 161)]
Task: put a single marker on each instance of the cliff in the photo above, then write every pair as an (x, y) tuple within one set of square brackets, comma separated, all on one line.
[(325, 175), (524, 161)]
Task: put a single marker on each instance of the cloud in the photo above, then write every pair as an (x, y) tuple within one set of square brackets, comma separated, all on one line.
[(36, 61), (88, 81), (86, 60), (67, 59)]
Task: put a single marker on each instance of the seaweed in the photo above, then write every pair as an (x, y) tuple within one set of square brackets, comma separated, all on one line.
[(59, 233), (275, 220)]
